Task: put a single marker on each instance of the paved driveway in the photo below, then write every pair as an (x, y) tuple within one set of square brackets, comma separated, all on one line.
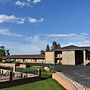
[(78, 73)]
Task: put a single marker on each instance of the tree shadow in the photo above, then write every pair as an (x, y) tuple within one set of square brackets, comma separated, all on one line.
[(22, 81)]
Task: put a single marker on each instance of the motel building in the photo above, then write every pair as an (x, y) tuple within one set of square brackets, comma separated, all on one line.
[(69, 55)]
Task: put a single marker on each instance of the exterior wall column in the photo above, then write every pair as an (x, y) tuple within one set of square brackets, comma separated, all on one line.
[(84, 57), (14, 67)]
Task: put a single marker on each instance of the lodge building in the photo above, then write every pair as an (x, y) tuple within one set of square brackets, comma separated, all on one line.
[(69, 55)]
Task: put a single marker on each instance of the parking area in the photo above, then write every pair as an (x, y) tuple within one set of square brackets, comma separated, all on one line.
[(78, 73)]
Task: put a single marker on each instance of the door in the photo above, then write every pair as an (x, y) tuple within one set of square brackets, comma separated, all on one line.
[(78, 57)]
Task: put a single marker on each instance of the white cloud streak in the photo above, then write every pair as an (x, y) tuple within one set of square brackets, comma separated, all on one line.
[(33, 44), (19, 20), (26, 2), (71, 36), (22, 3), (33, 20), (7, 19), (36, 1), (81, 39), (7, 32)]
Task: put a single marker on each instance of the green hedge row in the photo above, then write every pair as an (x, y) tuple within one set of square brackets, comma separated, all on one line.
[(26, 70), (6, 68)]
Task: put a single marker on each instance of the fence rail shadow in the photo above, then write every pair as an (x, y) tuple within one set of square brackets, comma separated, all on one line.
[(17, 82)]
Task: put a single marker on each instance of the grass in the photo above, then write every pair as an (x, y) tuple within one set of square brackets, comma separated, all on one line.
[(47, 84)]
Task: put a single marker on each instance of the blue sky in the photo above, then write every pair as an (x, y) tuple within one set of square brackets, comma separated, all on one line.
[(26, 26)]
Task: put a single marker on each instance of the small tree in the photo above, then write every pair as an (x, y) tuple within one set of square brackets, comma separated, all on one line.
[(42, 52), (54, 45), (47, 48), (7, 53), (58, 46), (2, 47), (3, 53)]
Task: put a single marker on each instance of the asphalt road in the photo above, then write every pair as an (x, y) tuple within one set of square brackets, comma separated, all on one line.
[(78, 73)]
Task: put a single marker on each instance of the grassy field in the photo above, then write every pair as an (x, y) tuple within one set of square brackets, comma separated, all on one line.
[(47, 84)]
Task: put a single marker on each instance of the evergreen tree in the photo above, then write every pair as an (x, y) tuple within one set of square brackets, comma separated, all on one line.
[(47, 48), (58, 46), (7, 53), (42, 52), (54, 45), (3, 52)]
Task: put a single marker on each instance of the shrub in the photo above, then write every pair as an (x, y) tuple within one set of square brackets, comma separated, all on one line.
[(7, 68)]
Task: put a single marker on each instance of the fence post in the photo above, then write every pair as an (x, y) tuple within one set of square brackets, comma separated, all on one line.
[(11, 75), (14, 68), (21, 75), (39, 72)]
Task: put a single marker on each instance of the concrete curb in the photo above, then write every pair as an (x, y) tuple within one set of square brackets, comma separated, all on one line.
[(67, 82)]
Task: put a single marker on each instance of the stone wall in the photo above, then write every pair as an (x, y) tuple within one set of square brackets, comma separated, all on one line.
[(50, 57), (8, 65), (68, 58)]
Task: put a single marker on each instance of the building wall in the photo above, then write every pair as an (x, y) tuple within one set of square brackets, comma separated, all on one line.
[(58, 57), (30, 60), (50, 57), (68, 58)]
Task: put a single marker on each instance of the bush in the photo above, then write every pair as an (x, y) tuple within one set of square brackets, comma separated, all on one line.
[(26, 70), (7, 68)]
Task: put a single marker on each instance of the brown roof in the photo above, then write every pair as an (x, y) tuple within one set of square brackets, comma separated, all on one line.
[(26, 57), (73, 47)]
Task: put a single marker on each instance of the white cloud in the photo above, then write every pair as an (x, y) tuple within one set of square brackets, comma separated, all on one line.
[(33, 44), (36, 1), (22, 3), (33, 20), (81, 39), (7, 32), (20, 20), (71, 36), (7, 19), (41, 20), (36, 44), (26, 2)]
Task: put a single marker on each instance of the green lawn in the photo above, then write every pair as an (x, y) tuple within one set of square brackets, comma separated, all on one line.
[(47, 84)]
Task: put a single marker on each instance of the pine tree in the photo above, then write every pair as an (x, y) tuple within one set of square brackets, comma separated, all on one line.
[(54, 45), (42, 52), (7, 53), (47, 48), (58, 46), (3, 53)]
